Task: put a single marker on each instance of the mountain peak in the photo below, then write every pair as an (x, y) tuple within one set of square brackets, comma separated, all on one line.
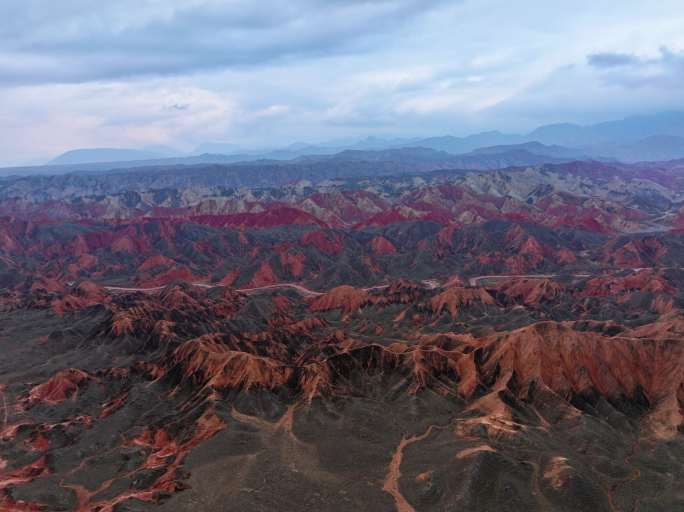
[(102, 155)]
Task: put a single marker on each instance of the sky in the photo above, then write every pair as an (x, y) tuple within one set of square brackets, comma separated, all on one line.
[(267, 73)]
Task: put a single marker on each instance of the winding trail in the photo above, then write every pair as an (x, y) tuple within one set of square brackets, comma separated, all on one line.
[(297, 287), (474, 281), (306, 292), (391, 484), (430, 284)]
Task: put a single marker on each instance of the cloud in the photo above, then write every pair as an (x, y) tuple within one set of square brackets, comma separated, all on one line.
[(115, 115), (134, 73), (82, 41), (611, 60), (662, 71)]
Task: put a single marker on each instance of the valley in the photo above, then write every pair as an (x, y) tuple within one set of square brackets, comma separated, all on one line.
[(420, 340), (341, 256)]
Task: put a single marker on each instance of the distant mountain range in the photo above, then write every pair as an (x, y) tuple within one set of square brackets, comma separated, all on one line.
[(97, 155), (654, 137), (628, 130), (652, 148)]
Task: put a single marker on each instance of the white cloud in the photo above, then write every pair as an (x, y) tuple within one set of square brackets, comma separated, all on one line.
[(47, 119), (133, 73)]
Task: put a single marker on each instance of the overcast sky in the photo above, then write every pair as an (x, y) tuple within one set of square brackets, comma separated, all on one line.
[(137, 73)]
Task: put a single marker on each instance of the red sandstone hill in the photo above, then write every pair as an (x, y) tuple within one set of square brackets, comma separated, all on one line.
[(453, 298), (346, 298), (531, 291), (216, 361), (453, 340)]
